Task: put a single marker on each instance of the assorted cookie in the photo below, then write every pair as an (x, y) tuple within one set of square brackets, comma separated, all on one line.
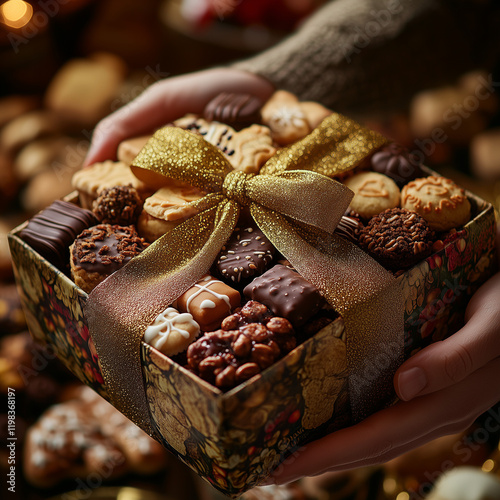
[(246, 150), (373, 193), (91, 180), (439, 201), (101, 250), (253, 307)]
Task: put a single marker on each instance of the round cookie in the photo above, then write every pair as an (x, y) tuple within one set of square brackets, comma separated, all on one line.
[(373, 193), (100, 251), (397, 238), (438, 200), (171, 332)]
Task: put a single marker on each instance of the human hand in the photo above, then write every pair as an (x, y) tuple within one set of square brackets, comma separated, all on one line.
[(168, 100), (443, 389)]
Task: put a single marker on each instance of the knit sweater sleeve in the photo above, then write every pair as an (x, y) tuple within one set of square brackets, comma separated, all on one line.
[(362, 55)]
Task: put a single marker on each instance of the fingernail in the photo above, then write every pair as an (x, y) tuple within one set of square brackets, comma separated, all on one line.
[(411, 382)]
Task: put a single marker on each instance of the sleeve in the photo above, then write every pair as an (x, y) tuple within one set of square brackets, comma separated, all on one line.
[(364, 55)]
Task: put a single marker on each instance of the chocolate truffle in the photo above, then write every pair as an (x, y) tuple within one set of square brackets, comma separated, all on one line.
[(398, 163), (120, 205), (287, 294), (397, 238), (54, 229), (100, 251), (237, 110), (349, 228)]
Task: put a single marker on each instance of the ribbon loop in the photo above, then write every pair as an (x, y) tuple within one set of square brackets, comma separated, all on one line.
[(234, 187)]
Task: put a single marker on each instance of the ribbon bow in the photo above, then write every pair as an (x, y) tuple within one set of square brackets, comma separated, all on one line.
[(294, 205)]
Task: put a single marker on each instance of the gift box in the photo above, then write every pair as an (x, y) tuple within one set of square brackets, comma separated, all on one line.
[(341, 374)]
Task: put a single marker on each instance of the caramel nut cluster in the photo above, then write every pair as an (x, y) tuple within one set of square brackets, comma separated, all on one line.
[(249, 341)]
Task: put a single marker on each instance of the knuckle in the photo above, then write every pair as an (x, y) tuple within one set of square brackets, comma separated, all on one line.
[(458, 363)]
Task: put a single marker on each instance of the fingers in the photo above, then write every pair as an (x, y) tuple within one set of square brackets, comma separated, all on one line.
[(168, 100), (393, 431), (445, 363)]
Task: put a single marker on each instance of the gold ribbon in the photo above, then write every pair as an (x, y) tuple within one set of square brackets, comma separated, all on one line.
[(294, 205)]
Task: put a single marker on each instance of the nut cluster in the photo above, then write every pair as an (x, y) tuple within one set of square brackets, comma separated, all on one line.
[(397, 238), (120, 205), (249, 341)]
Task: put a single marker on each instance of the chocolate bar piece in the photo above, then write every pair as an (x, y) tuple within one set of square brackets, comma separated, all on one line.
[(53, 230), (287, 294), (247, 253)]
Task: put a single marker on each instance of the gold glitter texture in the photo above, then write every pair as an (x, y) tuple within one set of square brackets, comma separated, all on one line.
[(120, 308)]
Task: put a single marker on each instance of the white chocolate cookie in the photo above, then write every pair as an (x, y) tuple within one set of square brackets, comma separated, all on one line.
[(373, 193), (172, 331), (438, 200)]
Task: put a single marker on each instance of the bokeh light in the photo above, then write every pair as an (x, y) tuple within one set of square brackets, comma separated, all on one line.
[(15, 13)]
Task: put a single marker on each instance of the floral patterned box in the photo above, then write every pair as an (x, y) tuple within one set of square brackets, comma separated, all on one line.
[(235, 439)]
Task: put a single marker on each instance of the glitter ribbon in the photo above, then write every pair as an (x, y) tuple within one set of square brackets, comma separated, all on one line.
[(296, 206)]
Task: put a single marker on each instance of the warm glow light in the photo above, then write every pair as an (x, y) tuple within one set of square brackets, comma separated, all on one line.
[(16, 13), (403, 496), (489, 465)]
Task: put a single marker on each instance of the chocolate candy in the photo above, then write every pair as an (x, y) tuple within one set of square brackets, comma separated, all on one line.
[(100, 251), (120, 205), (249, 341), (397, 238), (398, 163), (287, 294), (209, 301), (237, 110), (52, 231), (247, 253), (349, 228)]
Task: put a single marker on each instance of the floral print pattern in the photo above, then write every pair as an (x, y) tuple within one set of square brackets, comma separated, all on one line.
[(235, 439), (53, 306), (437, 291)]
